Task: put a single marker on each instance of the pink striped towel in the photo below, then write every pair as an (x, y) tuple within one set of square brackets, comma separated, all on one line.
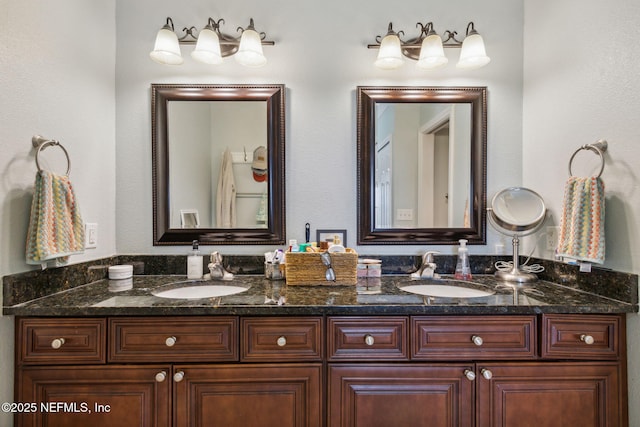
[(582, 223)]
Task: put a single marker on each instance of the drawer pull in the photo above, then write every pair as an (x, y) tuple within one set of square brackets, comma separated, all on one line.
[(369, 340), (282, 341), (178, 376), (587, 339), (471, 376), (477, 340), (57, 343), (171, 341), (161, 376), (487, 374)]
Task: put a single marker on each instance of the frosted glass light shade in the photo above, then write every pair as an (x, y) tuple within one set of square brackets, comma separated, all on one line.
[(166, 49), (472, 54), (390, 55), (207, 48), (432, 53), (250, 50)]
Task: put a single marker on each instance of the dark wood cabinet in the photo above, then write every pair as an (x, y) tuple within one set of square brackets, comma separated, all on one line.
[(218, 390), (505, 382), (552, 394), (312, 371), (277, 339), (274, 395), (367, 338), (384, 395), (474, 338), (95, 396), (139, 339)]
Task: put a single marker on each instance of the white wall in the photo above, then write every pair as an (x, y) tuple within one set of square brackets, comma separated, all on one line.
[(57, 62), (321, 57), (580, 84)]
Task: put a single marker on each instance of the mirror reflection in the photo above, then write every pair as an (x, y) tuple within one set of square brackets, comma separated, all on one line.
[(226, 185), (218, 164), (422, 165)]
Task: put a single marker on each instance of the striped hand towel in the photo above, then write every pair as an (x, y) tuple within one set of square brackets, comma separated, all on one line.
[(582, 224), (55, 229)]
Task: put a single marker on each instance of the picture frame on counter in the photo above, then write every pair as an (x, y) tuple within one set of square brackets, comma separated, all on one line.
[(331, 236)]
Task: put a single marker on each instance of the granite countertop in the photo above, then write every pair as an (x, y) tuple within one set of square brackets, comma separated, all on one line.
[(372, 296)]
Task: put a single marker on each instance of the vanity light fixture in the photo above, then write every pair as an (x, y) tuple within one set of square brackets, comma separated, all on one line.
[(428, 48), (211, 44)]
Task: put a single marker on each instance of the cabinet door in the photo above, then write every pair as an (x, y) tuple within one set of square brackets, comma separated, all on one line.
[(551, 394), (385, 395), (95, 396), (269, 395)]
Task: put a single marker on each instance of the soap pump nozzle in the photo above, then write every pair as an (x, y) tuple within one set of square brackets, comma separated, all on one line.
[(463, 268)]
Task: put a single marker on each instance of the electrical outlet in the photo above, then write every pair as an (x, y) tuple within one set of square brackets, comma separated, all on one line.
[(404, 214), (553, 233), (90, 235)]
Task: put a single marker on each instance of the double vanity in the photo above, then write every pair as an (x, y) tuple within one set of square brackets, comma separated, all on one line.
[(253, 353), (372, 354)]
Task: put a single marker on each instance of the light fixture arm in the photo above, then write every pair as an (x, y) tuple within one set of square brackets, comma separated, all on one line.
[(390, 32), (252, 27), (451, 40), (471, 30), (190, 36)]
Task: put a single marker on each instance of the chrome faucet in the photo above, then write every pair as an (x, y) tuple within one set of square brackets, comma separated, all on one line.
[(428, 268)]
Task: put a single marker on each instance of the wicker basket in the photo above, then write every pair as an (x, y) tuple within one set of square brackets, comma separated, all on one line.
[(307, 268)]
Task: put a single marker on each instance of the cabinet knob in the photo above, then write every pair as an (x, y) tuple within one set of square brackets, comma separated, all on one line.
[(282, 341), (471, 376), (57, 343), (587, 339), (487, 374), (369, 339), (171, 341), (477, 340), (161, 376), (178, 376)]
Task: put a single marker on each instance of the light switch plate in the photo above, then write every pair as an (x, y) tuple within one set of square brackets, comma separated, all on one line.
[(553, 233), (404, 214), (90, 235)]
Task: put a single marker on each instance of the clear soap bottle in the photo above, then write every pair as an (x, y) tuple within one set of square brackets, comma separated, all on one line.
[(463, 269), (194, 263)]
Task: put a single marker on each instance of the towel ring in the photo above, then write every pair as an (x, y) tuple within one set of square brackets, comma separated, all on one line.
[(42, 143), (598, 147)]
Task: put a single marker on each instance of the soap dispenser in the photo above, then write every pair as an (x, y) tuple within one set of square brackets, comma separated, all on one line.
[(194, 263), (463, 269)]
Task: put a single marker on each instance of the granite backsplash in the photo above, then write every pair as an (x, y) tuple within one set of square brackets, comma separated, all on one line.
[(22, 287)]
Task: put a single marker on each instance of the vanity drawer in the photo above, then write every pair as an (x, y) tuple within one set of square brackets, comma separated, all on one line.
[(60, 341), (367, 338), (268, 339), (473, 337), (581, 336), (173, 339)]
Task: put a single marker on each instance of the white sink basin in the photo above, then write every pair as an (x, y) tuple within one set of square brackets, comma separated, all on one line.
[(199, 291), (446, 291)]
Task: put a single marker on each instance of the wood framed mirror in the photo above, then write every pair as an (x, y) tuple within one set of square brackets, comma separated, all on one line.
[(193, 129), (422, 165)]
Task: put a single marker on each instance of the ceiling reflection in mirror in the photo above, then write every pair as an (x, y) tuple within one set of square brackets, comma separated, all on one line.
[(421, 165), (218, 157)]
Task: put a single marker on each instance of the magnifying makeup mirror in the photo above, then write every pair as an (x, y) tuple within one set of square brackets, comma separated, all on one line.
[(517, 212)]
